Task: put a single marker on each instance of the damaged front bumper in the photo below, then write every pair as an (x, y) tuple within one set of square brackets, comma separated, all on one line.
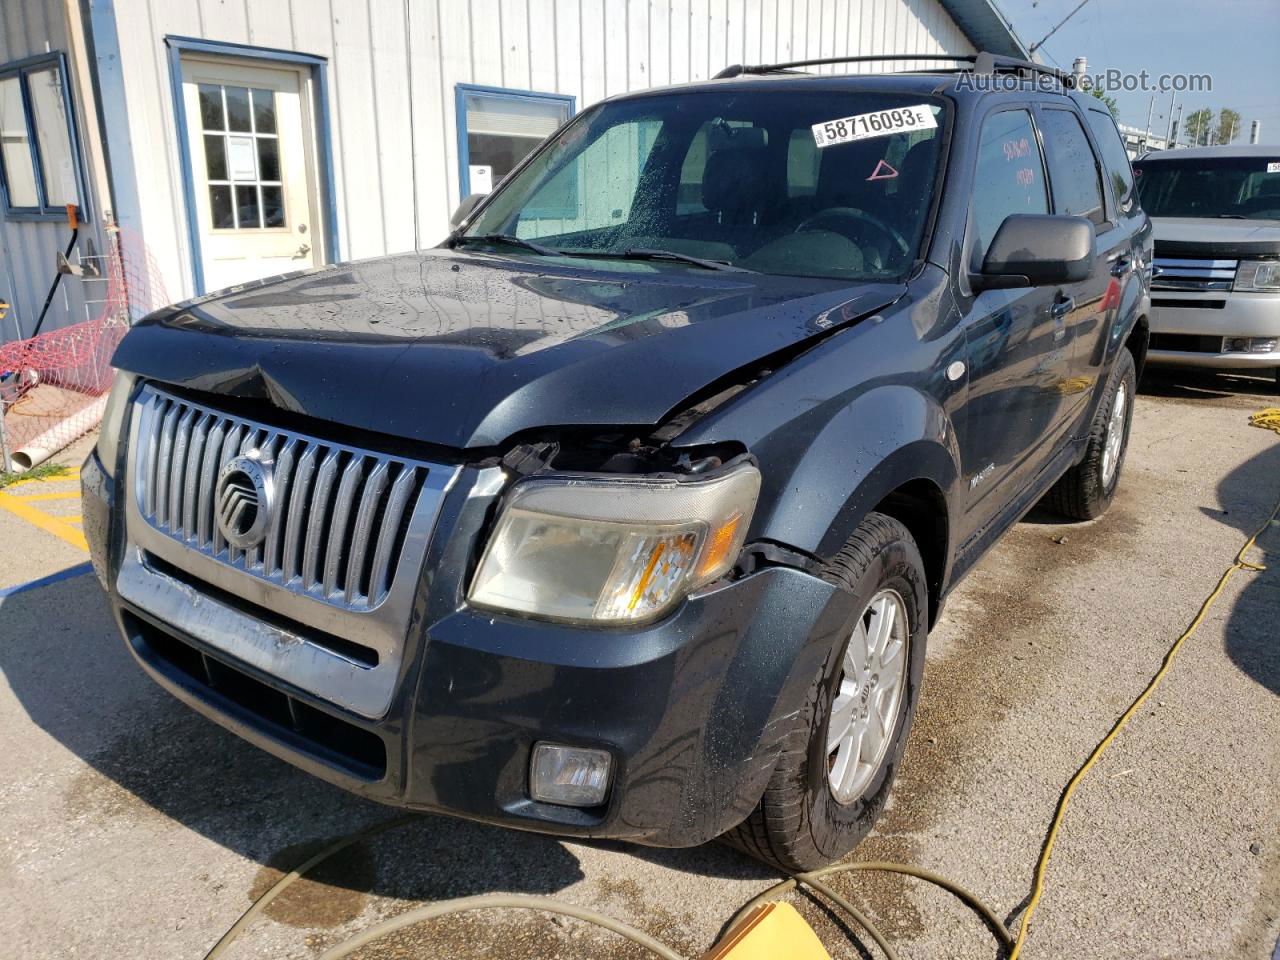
[(692, 709)]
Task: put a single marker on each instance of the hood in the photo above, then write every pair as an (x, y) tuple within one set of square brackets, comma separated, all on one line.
[(1188, 236), (465, 350)]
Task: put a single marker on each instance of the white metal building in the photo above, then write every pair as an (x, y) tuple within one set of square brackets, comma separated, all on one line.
[(244, 138)]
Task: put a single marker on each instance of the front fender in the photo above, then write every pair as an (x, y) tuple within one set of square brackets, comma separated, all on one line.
[(888, 436)]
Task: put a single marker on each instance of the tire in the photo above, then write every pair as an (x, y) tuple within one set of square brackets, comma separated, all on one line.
[(1085, 491), (799, 824)]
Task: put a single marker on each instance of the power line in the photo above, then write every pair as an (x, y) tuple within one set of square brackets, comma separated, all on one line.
[(1039, 43)]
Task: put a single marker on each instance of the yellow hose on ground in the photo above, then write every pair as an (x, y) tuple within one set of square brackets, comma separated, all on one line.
[(1267, 419)]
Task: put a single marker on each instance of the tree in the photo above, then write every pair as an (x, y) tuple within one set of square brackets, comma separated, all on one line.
[(1109, 101), (1198, 125), (1228, 126)]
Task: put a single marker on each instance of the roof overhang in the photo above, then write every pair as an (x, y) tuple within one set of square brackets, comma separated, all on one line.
[(986, 27)]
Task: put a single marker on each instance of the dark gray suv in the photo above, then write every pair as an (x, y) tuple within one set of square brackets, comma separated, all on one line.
[(627, 511)]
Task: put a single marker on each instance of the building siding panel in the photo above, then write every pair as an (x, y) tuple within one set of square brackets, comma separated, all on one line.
[(394, 66)]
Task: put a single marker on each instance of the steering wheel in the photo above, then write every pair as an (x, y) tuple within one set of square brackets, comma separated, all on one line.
[(854, 217)]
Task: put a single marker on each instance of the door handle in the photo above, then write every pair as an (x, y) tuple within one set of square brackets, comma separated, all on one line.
[(1061, 307), (303, 250), (1120, 266)]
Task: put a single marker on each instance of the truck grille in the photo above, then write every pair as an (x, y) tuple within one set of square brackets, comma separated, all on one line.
[(1193, 273), (337, 517)]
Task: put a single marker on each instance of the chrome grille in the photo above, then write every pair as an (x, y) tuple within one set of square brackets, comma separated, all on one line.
[(1193, 273), (339, 514)]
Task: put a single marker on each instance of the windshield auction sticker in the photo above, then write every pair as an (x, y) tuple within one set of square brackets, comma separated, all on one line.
[(879, 123)]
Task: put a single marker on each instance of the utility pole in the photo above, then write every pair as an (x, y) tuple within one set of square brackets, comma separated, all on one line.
[(1174, 125), (1151, 108)]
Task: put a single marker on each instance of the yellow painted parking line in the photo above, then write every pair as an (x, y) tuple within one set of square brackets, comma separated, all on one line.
[(54, 525), (36, 497)]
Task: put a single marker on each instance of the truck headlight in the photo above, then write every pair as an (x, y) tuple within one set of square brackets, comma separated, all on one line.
[(1258, 276), (596, 549), (113, 425)]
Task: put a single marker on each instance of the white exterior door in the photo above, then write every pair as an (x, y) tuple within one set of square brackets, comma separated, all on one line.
[(252, 160)]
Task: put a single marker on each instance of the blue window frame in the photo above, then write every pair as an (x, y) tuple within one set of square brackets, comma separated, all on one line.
[(41, 168), (498, 127)]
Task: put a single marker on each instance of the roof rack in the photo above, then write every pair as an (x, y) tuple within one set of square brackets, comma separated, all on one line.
[(983, 63)]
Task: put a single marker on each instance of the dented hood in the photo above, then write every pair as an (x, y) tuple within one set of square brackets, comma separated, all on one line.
[(465, 350)]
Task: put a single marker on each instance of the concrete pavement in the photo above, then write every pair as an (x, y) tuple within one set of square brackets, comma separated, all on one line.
[(131, 827)]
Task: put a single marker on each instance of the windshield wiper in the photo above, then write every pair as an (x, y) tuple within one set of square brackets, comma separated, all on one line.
[(645, 253), (507, 239), (1231, 216)]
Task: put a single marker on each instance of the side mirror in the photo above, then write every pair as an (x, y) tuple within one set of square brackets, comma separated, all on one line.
[(1037, 250), (464, 208)]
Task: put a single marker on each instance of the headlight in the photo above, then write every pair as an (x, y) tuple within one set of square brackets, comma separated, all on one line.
[(618, 550), (113, 420), (1258, 276)]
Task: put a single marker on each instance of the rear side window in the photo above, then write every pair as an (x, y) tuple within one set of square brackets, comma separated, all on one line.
[(1009, 177), (1113, 154), (1073, 169)]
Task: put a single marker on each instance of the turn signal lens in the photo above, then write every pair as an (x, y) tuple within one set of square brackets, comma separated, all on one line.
[(617, 549), (720, 552)]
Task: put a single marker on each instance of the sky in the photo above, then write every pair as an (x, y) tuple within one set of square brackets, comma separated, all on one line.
[(1237, 42)]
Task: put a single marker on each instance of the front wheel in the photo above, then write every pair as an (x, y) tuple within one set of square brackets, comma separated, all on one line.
[(1085, 491), (837, 765)]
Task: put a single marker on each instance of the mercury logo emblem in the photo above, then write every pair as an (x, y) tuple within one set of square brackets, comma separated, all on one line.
[(242, 500)]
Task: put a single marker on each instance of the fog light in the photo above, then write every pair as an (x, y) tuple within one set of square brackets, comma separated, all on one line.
[(1235, 344), (1263, 346), (570, 776)]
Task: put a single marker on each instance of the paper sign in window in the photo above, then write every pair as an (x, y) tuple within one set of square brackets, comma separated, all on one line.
[(242, 161), (481, 178)]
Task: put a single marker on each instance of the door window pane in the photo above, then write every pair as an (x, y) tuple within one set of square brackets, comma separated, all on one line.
[(15, 144), (211, 106), (247, 207), (268, 158), (264, 111), (53, 134), (238, 109), (1077, 185), (1114, 153), (273, 206), (1009, 177), (503, 130), (215, 157), (220, 205)]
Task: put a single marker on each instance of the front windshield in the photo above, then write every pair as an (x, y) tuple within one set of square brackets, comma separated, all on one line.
[(736, 177), (1246, 188)]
